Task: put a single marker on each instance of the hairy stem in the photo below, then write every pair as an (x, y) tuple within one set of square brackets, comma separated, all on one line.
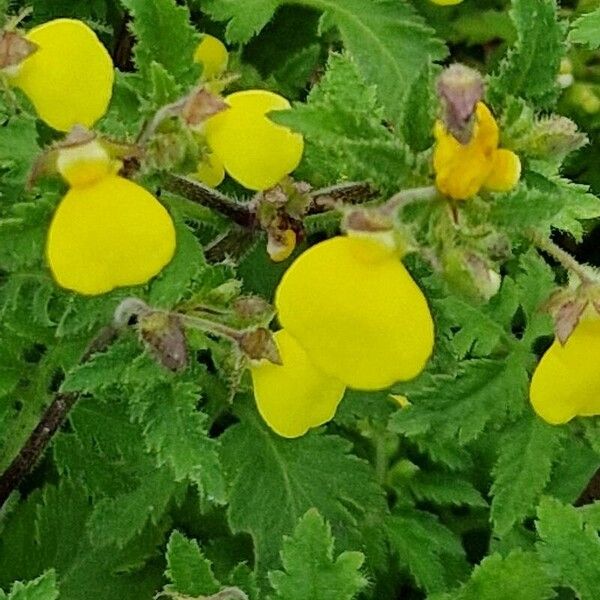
[(584, 273), (410, 196), (50, 422)]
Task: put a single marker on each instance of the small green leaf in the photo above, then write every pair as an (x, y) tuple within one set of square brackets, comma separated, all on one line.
[(42, 588), (187, 568), (586, 30), (311, 572)]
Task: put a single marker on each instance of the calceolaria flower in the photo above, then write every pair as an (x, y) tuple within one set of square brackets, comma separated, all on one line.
[(253, 150), (213, 56), (356, 311), (68, 77), (107, 231), (295, 396), (566, 382), (462, 170)]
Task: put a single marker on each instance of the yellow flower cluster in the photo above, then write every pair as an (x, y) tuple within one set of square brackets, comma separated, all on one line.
[(352, 316), (462, 170), (244, 142), (566, 382)]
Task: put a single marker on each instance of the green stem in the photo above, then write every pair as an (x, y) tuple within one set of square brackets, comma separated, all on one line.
[(584, 273), (410, 196)]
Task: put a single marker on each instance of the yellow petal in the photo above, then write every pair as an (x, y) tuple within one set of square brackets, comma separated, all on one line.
[(254, 150), (280, 248), (446, 2), (356, 311), (566, 382), (505, 173), (212, 55), (69, 78), (295, 396), (82, 165), (109, 234), (210, 171), (462, 169)]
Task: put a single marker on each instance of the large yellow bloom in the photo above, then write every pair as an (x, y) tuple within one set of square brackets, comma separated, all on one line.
[(69, 78), (107, 231), (295, 396), (254, 150), (356, 311), (463, 169), (566, 383)]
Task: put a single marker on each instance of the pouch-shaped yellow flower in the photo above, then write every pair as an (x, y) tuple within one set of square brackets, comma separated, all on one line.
[(463, 169), (295, 396), (566, 382), (212, 55), (69, 78), (106, 234), (254, 150), (356, 311)]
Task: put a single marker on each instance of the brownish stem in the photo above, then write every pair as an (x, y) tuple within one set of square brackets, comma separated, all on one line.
[(52, 419), (206, 196)]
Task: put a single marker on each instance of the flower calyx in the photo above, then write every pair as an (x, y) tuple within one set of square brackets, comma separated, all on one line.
[(14, 49), (460, 88), (569, 306)]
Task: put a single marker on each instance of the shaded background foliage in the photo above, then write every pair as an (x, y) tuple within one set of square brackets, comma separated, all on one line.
[(159, 482)]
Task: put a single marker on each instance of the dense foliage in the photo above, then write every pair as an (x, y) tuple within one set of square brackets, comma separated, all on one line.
[(165, 480)]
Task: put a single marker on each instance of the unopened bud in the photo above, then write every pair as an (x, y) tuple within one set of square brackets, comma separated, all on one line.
[(164, 337), (460, 88)]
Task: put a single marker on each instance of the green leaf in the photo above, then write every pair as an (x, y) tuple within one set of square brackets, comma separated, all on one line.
[(42, 588), (155, 23), (311, 573), (176, 431), (18, 150), (274, 481), (518, 576), (430, 551), (527, 451), (444, 489), (483, 392), (569, 548), (530, 68), (48, 530), (586, 30), (388, 40), (344, 132), (189, 571)]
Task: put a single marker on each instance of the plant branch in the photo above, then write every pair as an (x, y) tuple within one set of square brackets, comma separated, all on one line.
[(206, 196), (410, 196), (52, 419), (584, 273)]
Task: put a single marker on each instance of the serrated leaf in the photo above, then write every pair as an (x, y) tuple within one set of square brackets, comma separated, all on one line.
[(176, 431), (344, 132), (42, 588), (154, 25), (189, 571), (311, 572), (586, 30), (444, 489), (518, 576), (48, 530), (530, 68), (569, 548), (430, 551), (273, 481), (388, 40), (527, 451), (461, 406), (18, 150)]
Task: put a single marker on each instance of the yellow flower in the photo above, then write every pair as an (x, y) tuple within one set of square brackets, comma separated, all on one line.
[(446, 2), (566, 382), (107, 231), (210, 171), (463, 169), (69, 78), (254, 150), (212, 55), (295, 396), (356, 311)]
